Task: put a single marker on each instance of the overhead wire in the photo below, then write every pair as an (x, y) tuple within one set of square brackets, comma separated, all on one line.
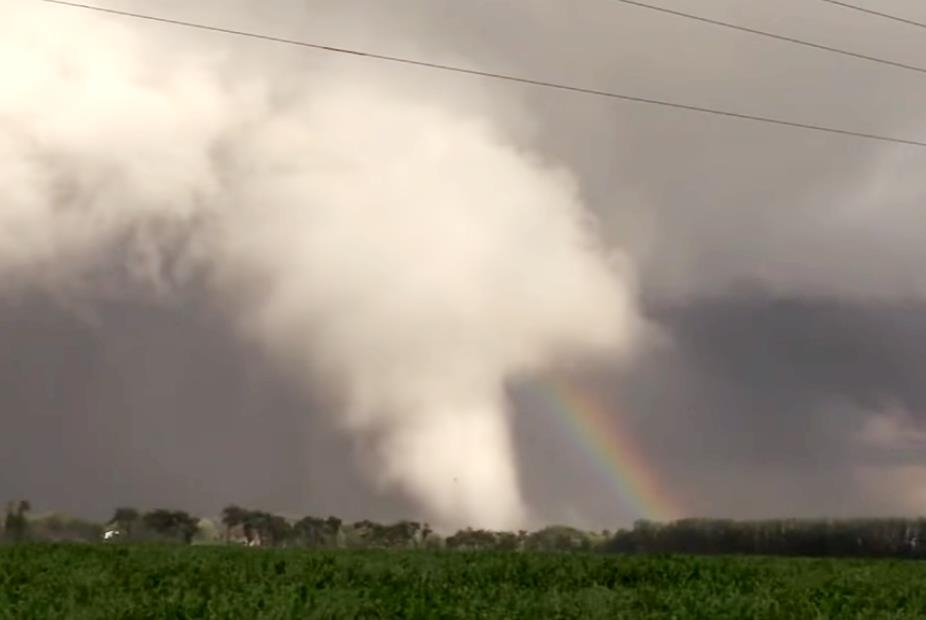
[(772, 35), (493, 75), (862, 9)]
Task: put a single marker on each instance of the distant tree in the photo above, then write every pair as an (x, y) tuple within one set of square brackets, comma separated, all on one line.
[(787, 537), (232, 517), (59, 527), (259, 527), (268, 529), (367, 533), (401, 534), (16, 522), (10, 523), (252, 523), (472, 539), (171, 524), (186, 526), (314, 532), (279, 530), (559, 538), (125, 520), (333, 529), (309, 531), (506, 541), (426, 532)]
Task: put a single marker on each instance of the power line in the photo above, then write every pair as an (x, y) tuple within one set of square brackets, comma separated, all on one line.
[(497, 76), (861, 9), (777, 37)]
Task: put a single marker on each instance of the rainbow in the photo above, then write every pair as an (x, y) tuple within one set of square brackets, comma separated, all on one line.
[(611, 447)]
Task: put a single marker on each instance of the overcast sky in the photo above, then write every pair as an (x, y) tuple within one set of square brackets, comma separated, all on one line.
[(784, 266)]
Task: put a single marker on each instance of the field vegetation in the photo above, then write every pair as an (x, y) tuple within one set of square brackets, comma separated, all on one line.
[(80, 582), (252, 564)]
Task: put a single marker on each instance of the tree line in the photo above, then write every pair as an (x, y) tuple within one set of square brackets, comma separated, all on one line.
[(250, 527), (896, 538)]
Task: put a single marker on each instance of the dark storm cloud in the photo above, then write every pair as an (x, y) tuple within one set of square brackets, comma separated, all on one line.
[(868, 354), (759, 406), (155, 406)]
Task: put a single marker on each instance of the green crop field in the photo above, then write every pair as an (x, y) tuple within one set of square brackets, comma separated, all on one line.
[(112, 581)]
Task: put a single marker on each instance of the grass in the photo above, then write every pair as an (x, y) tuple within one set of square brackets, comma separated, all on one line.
[(111, 581)]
